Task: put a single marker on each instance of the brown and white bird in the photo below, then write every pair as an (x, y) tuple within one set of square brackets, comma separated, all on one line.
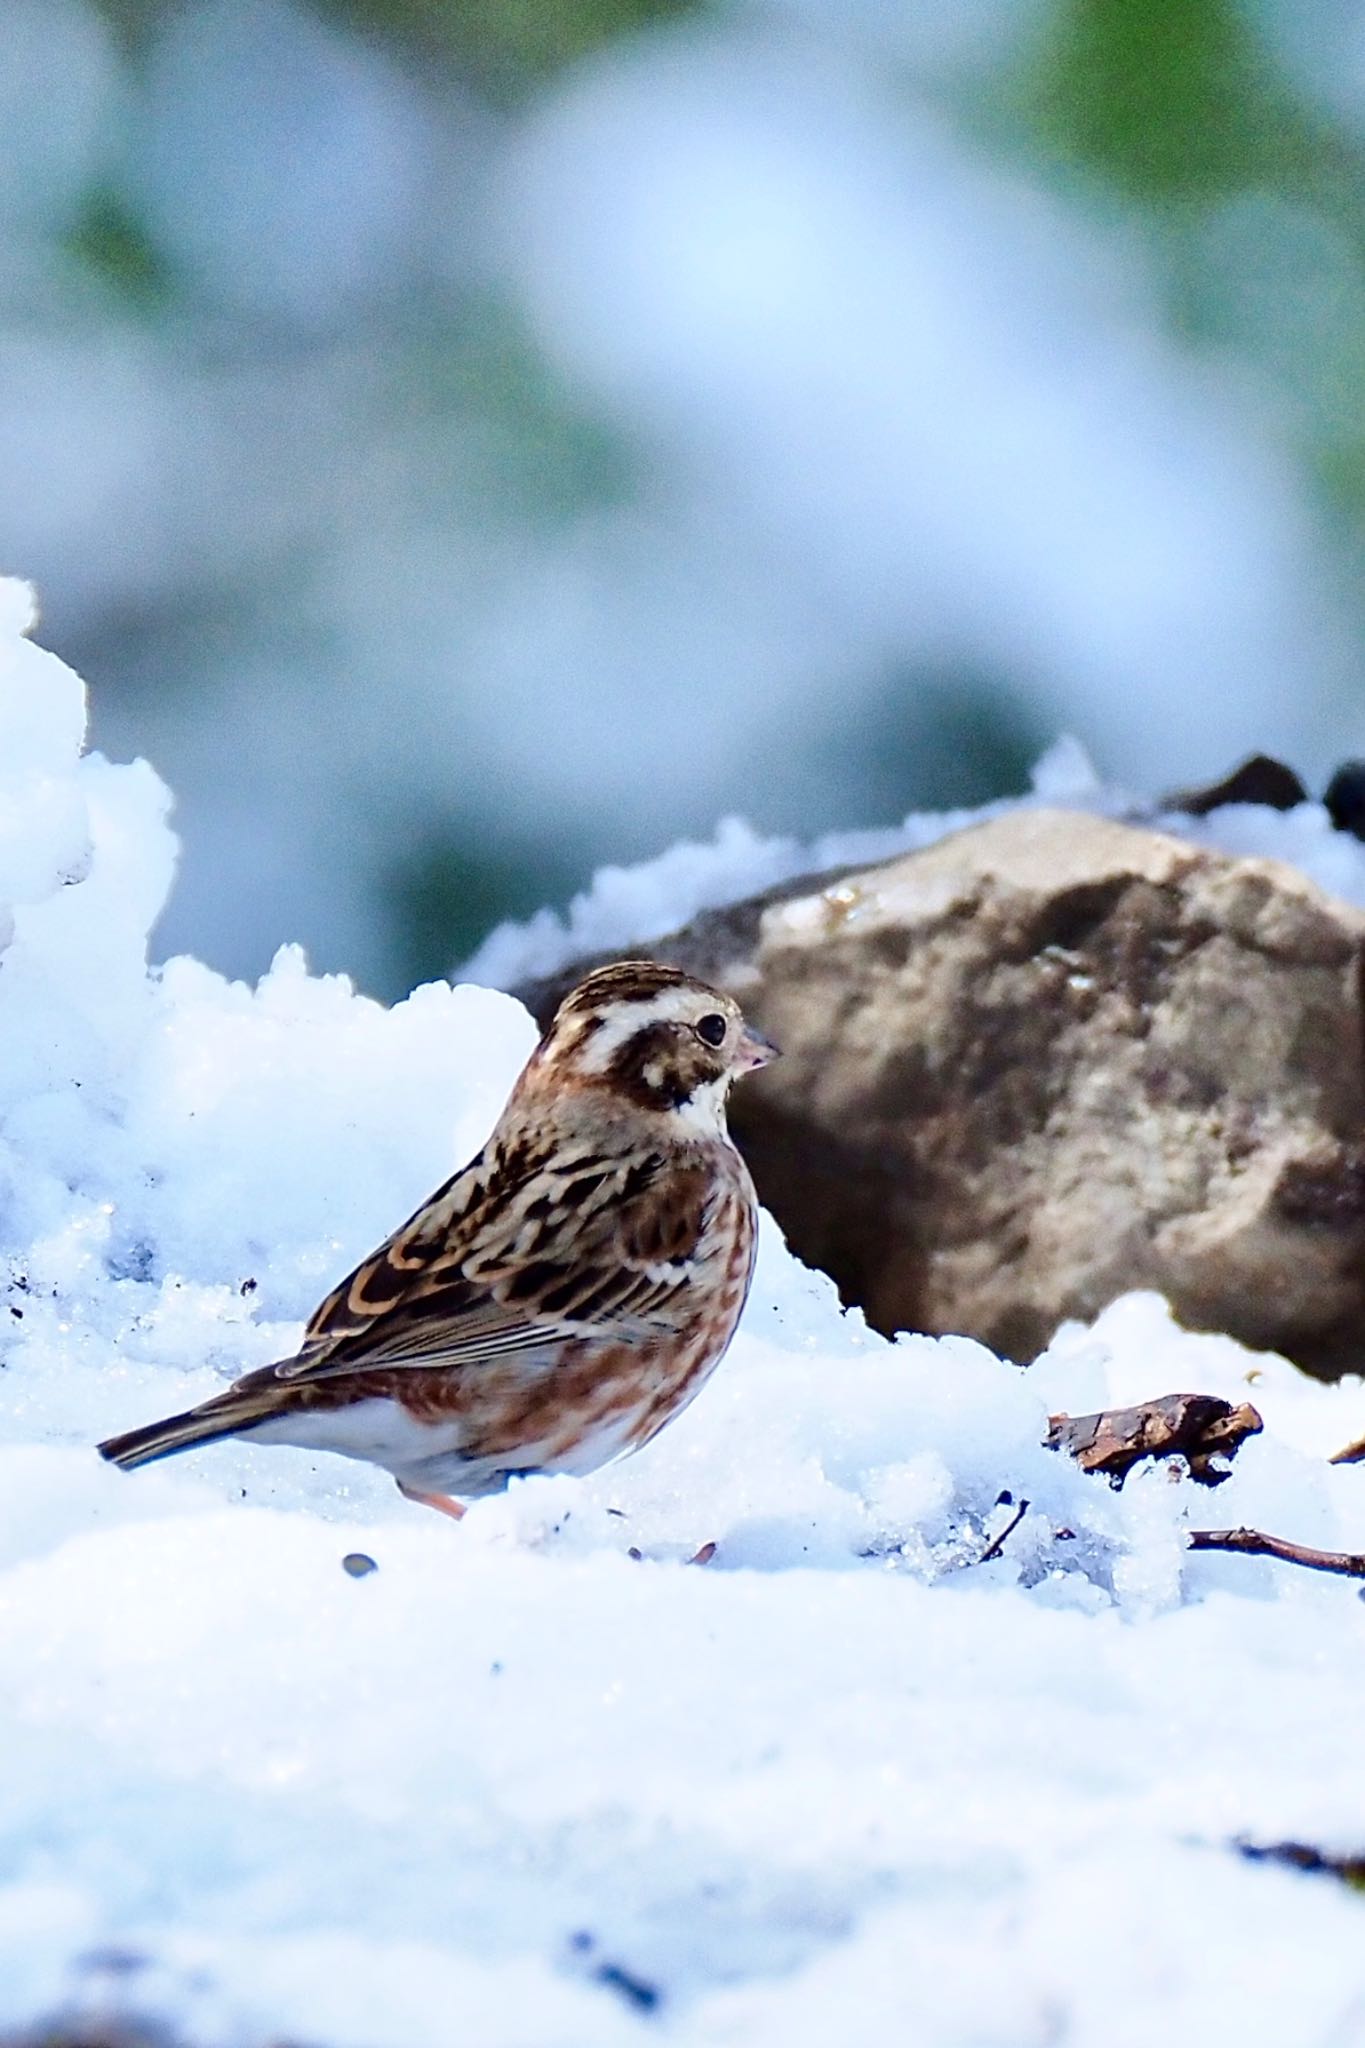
[(556, 1303)]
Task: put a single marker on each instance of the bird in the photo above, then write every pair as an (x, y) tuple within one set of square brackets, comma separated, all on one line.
[(559, 1299)]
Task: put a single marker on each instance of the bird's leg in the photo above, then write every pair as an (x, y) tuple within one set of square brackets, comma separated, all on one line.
[(442, 1502)]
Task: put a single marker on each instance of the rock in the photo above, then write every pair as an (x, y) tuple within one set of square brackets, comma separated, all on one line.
[(1344, 798), (1050, 1059), (1261, 779)]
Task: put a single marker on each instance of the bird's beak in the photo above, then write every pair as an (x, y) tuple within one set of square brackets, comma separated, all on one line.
[(754, 1050)]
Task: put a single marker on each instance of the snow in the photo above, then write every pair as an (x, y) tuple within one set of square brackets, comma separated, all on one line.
[(630, 906), (516, 1785)]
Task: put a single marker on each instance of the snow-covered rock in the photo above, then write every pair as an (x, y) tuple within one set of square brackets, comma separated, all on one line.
[(514, 1785), (1049, 1060)]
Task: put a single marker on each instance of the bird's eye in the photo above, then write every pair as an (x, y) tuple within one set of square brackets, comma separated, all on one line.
[(712, 1027)]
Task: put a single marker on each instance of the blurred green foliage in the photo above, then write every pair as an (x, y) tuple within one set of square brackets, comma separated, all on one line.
[(450, 892), (502, 47), (970, 738), (545, 453), (1252, 197), (1172, 99), (1177, 113), (111, 244), (505, 46)]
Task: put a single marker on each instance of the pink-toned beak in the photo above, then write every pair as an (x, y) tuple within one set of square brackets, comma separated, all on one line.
[(754, 1050)]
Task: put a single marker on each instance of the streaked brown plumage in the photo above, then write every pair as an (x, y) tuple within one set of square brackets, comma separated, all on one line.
[(555, 1303)]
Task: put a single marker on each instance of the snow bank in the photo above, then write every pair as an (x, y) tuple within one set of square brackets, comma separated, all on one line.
[(516, 1786), (629, 906)]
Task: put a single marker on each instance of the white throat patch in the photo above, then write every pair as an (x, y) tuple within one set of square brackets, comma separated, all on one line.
[(704, 1110)]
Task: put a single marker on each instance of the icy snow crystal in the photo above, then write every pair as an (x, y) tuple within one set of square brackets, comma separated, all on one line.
[(518, 1784)]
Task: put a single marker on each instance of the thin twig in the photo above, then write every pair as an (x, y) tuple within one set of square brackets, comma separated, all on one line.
[(994, 1549), (1303, 1856), (1255, 1543)]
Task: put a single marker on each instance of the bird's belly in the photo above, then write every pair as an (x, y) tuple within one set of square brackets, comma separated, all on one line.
[(469, 1452), (379, 1430), (468, 1431)]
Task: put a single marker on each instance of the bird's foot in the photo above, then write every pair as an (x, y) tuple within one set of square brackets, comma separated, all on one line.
[(702, 1556), (442, 1502)]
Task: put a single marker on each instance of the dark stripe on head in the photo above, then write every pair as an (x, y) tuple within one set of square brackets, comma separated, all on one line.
[(625, 981), (661, 1066)]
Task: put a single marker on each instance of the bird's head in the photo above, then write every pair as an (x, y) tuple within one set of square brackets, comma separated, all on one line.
[(657, 1039)]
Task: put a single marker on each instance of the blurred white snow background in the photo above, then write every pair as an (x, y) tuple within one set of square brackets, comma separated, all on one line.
[(514, 1784), (467, 445)]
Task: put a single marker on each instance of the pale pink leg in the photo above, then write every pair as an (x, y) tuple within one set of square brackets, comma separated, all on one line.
[(442, 1502)]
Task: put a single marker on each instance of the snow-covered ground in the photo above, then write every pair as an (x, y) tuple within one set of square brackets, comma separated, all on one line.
[(516, 1786)]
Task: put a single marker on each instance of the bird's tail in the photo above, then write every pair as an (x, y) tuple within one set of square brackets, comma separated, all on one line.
[(225, 1414)]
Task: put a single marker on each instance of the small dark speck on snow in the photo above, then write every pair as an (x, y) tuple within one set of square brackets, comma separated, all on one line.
[(635, 1990)]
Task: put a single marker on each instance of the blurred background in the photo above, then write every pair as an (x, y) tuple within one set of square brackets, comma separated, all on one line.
[(465, 441)]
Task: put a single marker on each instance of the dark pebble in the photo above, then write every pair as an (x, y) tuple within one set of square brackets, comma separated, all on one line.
[(358, 1565), (1345, 798), (1260, 780)]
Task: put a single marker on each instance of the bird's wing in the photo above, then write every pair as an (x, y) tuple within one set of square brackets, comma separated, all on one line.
[(505, 1259)]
